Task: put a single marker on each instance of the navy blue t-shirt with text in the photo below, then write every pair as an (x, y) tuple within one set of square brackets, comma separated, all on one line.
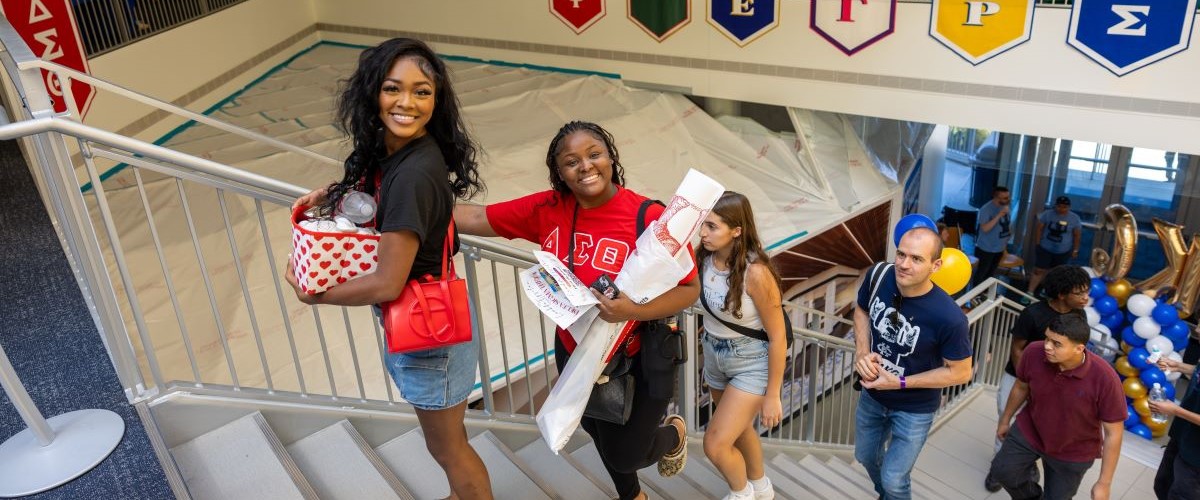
[(930, 328)]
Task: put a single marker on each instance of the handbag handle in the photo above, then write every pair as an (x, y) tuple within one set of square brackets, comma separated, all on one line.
[(444, 333)]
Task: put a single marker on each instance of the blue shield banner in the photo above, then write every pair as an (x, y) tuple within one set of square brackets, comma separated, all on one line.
[(743, 21), (1126, 35)]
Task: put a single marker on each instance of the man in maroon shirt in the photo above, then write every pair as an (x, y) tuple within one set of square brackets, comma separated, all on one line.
[(1070, 395)]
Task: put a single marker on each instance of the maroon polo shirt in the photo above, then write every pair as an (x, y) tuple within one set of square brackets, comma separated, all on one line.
[(1065, 409)]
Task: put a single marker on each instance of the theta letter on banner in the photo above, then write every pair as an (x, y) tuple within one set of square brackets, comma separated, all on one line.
[(1127, 35), (853, 25), (743, 21), (978, 30), (578, 15), (48, 28), (660, 18)]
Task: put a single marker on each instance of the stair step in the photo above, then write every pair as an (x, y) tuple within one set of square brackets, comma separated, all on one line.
[(340, 465), (589, 458), (856, 474), (926, 486), (812, 482), (242, 459), (509, 477), (853, 488), (851, 471), (407, 457), (786, 487), (703, 474), (559, 473)]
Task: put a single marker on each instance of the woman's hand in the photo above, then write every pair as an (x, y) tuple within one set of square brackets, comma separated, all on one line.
[(772, 411), (312, 199), (290, 275), (615, 310), (1167, 408)]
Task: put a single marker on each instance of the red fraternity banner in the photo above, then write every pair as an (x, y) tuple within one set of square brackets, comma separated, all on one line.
[(853, 25), (579, 15), (48, 27)]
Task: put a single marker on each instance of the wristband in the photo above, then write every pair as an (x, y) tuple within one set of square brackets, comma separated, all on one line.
[(903, 384)]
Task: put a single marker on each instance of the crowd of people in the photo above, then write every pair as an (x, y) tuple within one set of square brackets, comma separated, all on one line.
[(412, 150)]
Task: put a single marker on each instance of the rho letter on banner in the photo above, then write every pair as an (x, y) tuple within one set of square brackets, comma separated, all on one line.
[(1127, 35), (978, 30), (48, 27), (853, 25), (579, 15)]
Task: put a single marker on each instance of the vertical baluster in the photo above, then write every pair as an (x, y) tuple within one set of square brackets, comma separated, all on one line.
[(503, 334), (241, 274), (524, 343), (362, 391), (324, 351), (287, 320), (387, 379)]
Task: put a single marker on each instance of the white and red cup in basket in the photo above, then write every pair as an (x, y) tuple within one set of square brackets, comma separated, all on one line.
[(324, 259)]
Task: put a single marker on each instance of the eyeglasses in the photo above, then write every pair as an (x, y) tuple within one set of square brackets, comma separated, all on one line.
[(897, 301)]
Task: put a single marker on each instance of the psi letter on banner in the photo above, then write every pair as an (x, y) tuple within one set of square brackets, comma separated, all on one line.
[(1127, 35), (853, 25), (579, 15), (743, 21), (978, 30)]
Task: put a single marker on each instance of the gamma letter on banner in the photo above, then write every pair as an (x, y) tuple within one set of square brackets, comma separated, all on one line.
[(48, 28), (853, 25), (978, 30), (579, 15), (743, 21), (660, 18), (1126, 35)]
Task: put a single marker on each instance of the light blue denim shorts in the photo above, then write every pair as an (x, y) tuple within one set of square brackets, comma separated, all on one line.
[(741, 362), (436, 379)]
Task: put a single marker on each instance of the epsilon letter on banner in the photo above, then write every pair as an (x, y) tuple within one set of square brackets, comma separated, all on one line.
[(978, 30), (48, 27), (852, 25), (743, 21), (579, 15), (1126, 35), (660, 18)]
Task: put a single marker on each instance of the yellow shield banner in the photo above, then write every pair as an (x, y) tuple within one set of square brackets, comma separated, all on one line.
[(978, 30)]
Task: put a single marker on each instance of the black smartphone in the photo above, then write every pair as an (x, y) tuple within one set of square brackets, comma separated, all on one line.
[(605, 286)]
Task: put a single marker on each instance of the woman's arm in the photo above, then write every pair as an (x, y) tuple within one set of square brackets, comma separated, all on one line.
[(670, 302), (397, 250), (765, 294), (472, 219)]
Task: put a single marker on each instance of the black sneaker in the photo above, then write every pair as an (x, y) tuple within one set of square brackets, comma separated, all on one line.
[(991, 484)]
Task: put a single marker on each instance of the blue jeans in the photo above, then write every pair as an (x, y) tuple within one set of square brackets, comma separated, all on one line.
[(903, 433)]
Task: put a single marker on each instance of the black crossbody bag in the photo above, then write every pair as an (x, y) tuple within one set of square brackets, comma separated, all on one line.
[(749, 332)]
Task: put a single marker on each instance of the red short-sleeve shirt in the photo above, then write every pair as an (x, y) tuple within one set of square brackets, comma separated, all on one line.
[(1063, 415), (604, 235)]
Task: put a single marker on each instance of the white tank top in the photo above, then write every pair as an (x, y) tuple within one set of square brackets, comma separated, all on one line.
[(716, 287)]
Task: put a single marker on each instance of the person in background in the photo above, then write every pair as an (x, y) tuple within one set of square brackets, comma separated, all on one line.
[(1178, 475), (412, 149), (741, 289), (1066, 293), (910, 341), (1074, 412), (1058, 233), (993, 235), (588, 219)]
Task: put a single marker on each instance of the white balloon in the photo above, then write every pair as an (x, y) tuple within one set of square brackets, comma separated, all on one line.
[(1141, 305), (1145, 327), (1091, 272), (1175, 356), (1093, 317), (1172, 376), (1100, 332), (1090, 302), (1160, 342)]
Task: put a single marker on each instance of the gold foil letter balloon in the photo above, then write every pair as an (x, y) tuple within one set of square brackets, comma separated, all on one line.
[(1170, 235), (1124, 242)]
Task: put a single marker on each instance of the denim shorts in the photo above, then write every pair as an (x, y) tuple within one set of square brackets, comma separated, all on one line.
[(436, 379), (741, 362)]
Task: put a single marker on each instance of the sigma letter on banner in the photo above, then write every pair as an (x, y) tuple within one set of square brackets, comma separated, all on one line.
[(1127, 35), (853, 25), (978, 30), (579, 15), (660, 18), (48, 28), (743, 21)]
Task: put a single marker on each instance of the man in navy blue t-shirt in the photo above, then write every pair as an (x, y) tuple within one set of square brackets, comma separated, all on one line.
[(911, 340)]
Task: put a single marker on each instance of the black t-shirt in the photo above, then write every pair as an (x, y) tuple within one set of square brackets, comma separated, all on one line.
[(415, 195), (1031, 326), (1186, 432)]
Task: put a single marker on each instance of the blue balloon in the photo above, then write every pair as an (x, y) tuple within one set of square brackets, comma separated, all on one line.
[(1179, 344), (1131, 417), (1152, 375), (1130, 317), (1137, 358), (912, 221), (1141, 430), (1105, 305), (1113, 321), (1098, 289), (1131, 338), (1165, 314), (1168, 390)]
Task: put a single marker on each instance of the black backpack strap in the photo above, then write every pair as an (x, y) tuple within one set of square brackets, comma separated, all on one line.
[(641, 215), (749, 332)]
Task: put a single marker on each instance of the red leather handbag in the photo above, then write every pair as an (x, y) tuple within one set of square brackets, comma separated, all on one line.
[(430, 313)]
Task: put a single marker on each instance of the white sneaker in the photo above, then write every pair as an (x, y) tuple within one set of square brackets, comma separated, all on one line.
[(767, 494)]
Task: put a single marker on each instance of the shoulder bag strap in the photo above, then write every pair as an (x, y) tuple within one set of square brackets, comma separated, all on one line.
[(749, 332)]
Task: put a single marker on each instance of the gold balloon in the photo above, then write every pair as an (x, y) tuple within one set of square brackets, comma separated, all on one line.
[(1141, 405), (1121, 290), (1124, 368), (1189, 281), (1099, 260), (1125, 243), (1157, 429), (1126, 348), (1175, 248), (1134, 388)]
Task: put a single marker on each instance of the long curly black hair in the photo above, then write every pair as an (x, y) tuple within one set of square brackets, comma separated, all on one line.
[(358, 117), (556, 182)]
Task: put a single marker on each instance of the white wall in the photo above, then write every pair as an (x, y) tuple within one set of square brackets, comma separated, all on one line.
[(1091, 103), (168, 65)]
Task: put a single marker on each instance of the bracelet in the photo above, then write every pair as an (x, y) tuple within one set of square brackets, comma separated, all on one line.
[(903, 383)]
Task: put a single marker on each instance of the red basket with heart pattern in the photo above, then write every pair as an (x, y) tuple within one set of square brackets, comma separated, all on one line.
[(322, 260)]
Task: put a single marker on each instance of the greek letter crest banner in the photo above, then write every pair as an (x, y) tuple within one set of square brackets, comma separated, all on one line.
[(853, 25), (978, 30), (660, 18), (1127, 35), (579, 15), (743, 21)]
